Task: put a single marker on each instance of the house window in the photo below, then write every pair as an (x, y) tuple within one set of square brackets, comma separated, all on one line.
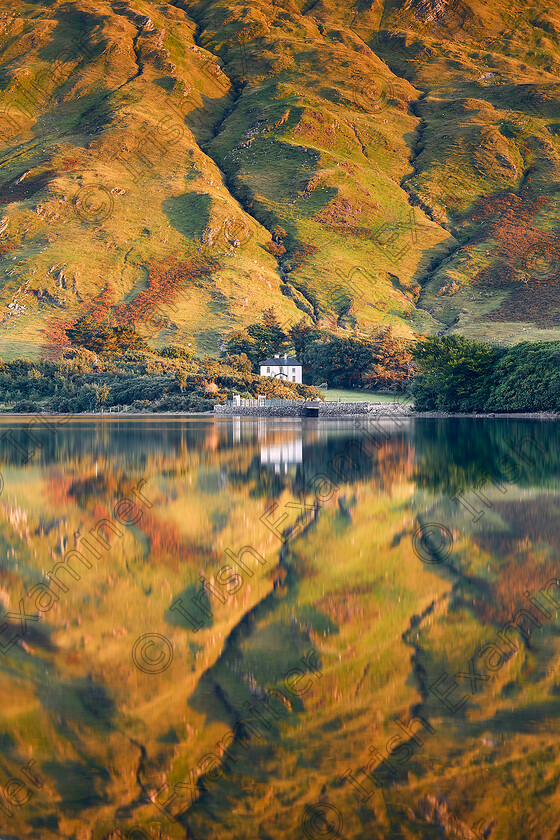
[(293, 370), (268, 370), (293, 379)]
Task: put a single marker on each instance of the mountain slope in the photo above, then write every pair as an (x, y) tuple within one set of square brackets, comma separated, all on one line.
[(184, 166)]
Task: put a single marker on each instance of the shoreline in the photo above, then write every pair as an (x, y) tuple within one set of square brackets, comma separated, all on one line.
[(381, 415)]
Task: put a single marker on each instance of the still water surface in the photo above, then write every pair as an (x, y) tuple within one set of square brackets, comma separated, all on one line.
[(265, 629)]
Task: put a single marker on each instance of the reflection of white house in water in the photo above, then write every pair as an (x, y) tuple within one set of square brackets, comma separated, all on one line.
[(282, 367), (281, 448), (284, 454)]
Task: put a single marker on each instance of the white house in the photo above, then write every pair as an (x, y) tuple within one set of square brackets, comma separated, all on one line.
[(281, 367)]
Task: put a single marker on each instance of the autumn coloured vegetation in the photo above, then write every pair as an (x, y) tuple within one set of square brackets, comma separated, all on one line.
[(166, 282)]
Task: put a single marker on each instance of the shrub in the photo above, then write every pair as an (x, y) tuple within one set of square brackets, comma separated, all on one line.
[(184, 403), (26, 407), (174, 352)]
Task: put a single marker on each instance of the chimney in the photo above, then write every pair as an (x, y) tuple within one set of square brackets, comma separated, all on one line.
[(277, 355)]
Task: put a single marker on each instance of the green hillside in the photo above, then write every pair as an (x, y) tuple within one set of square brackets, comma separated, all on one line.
[(184, 166)]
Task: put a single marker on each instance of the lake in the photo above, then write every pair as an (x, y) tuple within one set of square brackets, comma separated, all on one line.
[(254, 628)]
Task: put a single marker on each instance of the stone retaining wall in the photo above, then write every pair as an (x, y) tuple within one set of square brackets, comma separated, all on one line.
[(326, 409), (258, 411)]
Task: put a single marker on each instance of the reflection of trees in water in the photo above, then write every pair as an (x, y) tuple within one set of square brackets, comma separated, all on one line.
[(107, 456), (459, 455), (380, 468), (107, 486), (455, 454), (119, 441), (110, 462)]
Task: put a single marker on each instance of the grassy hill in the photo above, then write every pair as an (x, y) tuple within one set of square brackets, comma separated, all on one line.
[(184, 166)]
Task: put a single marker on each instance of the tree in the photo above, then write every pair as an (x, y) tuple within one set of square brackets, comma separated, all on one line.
[(102, 393), (239, 362), (268, 340), (527, 378), (453, 373), (181, 378), (341, 361), (78, 360), (102, 338), (302, 334), (392, 367), (240, 342), (380, 361), (126, 338), (269, 318), (259, 340), (85, 332)]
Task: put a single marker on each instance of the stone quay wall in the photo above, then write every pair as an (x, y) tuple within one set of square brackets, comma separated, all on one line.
[(334, 410), (258, 411)]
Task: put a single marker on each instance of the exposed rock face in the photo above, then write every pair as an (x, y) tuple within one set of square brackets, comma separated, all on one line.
[(428, 9)]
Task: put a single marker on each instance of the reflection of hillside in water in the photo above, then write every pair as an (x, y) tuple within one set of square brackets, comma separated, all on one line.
[(349, 586)]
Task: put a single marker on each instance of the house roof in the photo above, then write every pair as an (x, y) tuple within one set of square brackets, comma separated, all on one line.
[(281, 362)]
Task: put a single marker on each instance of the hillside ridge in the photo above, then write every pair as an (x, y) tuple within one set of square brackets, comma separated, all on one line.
[(184, 166)]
